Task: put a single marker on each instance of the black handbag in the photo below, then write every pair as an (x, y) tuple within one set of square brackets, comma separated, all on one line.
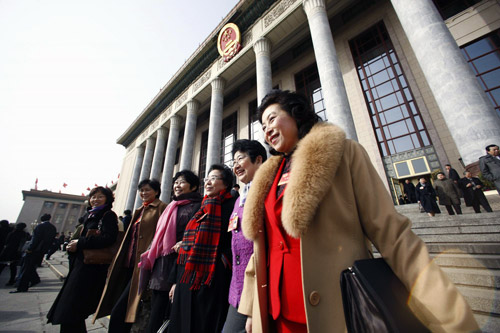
[(375, 300)]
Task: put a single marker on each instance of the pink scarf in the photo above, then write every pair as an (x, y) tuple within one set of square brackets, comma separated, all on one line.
[(165, 235)]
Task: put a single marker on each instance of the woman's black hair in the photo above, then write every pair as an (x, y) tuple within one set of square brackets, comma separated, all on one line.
[(190, 177), (252, 148), (227, 174), (107, 193), (153, 183), (296, 105)]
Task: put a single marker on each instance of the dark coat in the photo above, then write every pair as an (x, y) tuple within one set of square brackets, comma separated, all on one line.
[(43, 235), (471, 193), (83, 286), (427, 197), (447, 191), (118, 276), (14, 245), (453, 175), (409, 190), (205, 310), (490, 167)]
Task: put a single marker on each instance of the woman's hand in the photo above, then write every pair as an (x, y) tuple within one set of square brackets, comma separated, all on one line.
[(248, 325), (177, 246), (71, 247), (171, 294)]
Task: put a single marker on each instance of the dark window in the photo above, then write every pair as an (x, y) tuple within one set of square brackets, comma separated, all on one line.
[(483, 56), (203, 155), (177, 154), (307, 82), (449, 8), (395, 116), (229, 134)]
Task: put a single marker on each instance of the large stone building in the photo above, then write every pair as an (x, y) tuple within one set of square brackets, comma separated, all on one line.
[(65, 209), (417, 83)]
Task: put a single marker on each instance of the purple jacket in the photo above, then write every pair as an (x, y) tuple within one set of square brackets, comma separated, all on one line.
[(242, 251)]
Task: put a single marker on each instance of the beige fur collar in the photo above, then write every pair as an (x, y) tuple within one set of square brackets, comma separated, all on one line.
[(314, 164)]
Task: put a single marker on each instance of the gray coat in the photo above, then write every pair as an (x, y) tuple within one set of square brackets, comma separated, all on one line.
[(447, 191)]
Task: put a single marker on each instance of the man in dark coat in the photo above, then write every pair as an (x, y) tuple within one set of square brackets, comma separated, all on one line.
[(490, 165), (5, 229), (126, 219), (13, 250), (409, 190), (452, 173), (448, 193), (43, 235), (426, 196), (473, 193)]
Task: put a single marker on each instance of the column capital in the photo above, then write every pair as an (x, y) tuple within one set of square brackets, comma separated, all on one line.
[(162, 131), (312, 5), (192, 105), (175, 121), (262, 45), (218, 84)]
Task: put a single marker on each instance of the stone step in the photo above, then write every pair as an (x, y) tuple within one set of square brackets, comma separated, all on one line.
[(465, 260), (460, 248), (482, 300), (462, 238), (455, 223), (488, 323), (453, 230), (482, 278), (446, 217)]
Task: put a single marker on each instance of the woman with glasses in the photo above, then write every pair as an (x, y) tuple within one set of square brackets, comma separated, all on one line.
[(203, 270), (121, 296), (310, 212), (248, 156), (157, 262)]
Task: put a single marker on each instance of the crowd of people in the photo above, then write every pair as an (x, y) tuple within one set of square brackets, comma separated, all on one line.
[(261, 258)]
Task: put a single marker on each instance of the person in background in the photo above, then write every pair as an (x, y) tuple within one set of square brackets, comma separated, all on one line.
[(472, 188), (53, 247), (203, 270), (82, 288), (12, 250), (490, 165), (426, 196), (235, 191), (409, 190), (248, 156), (126, 218), (159, 260), (5, 229), (309, 214), (43, 235), (452, 173), (120, 296), (448, 194)]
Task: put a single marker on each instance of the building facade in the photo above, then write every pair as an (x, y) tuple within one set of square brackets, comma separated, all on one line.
[(417, 83), (65, 209)]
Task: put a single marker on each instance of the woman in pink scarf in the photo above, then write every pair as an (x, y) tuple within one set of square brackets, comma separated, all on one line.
[(162, 255)]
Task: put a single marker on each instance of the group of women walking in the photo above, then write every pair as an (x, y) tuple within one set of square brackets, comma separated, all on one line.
[(269, 260)]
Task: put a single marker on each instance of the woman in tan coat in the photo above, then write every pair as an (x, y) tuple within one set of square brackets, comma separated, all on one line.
[(120, 297), (334, 204)]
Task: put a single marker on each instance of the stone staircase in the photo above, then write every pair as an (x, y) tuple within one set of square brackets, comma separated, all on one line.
[(467, 248)]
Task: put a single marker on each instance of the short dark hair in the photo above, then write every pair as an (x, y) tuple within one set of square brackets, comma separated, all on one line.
[(227, 174), (106, 191), (45, 217), (236, 185), (153, 183), (440, 173), (190, 177), (448, 165), (488, 147), (252, 148), (127, 212), (296, 105), (20, 226)]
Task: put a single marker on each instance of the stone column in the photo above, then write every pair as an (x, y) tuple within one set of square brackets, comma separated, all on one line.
[(337, 106), (132, 192), (469, 115), (161, 141), (168, 168), (146, 166), (215, 126), (189, 135), (262, 49)]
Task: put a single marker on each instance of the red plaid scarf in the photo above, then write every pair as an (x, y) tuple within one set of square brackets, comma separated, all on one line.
[(201, 239)]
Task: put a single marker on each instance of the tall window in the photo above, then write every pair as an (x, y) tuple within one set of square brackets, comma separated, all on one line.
[(394, 114), (483, 56), (229, 129), (307, 83)]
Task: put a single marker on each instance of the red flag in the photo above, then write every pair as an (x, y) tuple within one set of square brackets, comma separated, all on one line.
[(112, 183), (65, 185), (83, 194), (88, 188), (36, 183), (118, 176), (96, 185)]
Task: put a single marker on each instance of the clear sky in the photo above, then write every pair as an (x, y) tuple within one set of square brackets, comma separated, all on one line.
[(73, 77)]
